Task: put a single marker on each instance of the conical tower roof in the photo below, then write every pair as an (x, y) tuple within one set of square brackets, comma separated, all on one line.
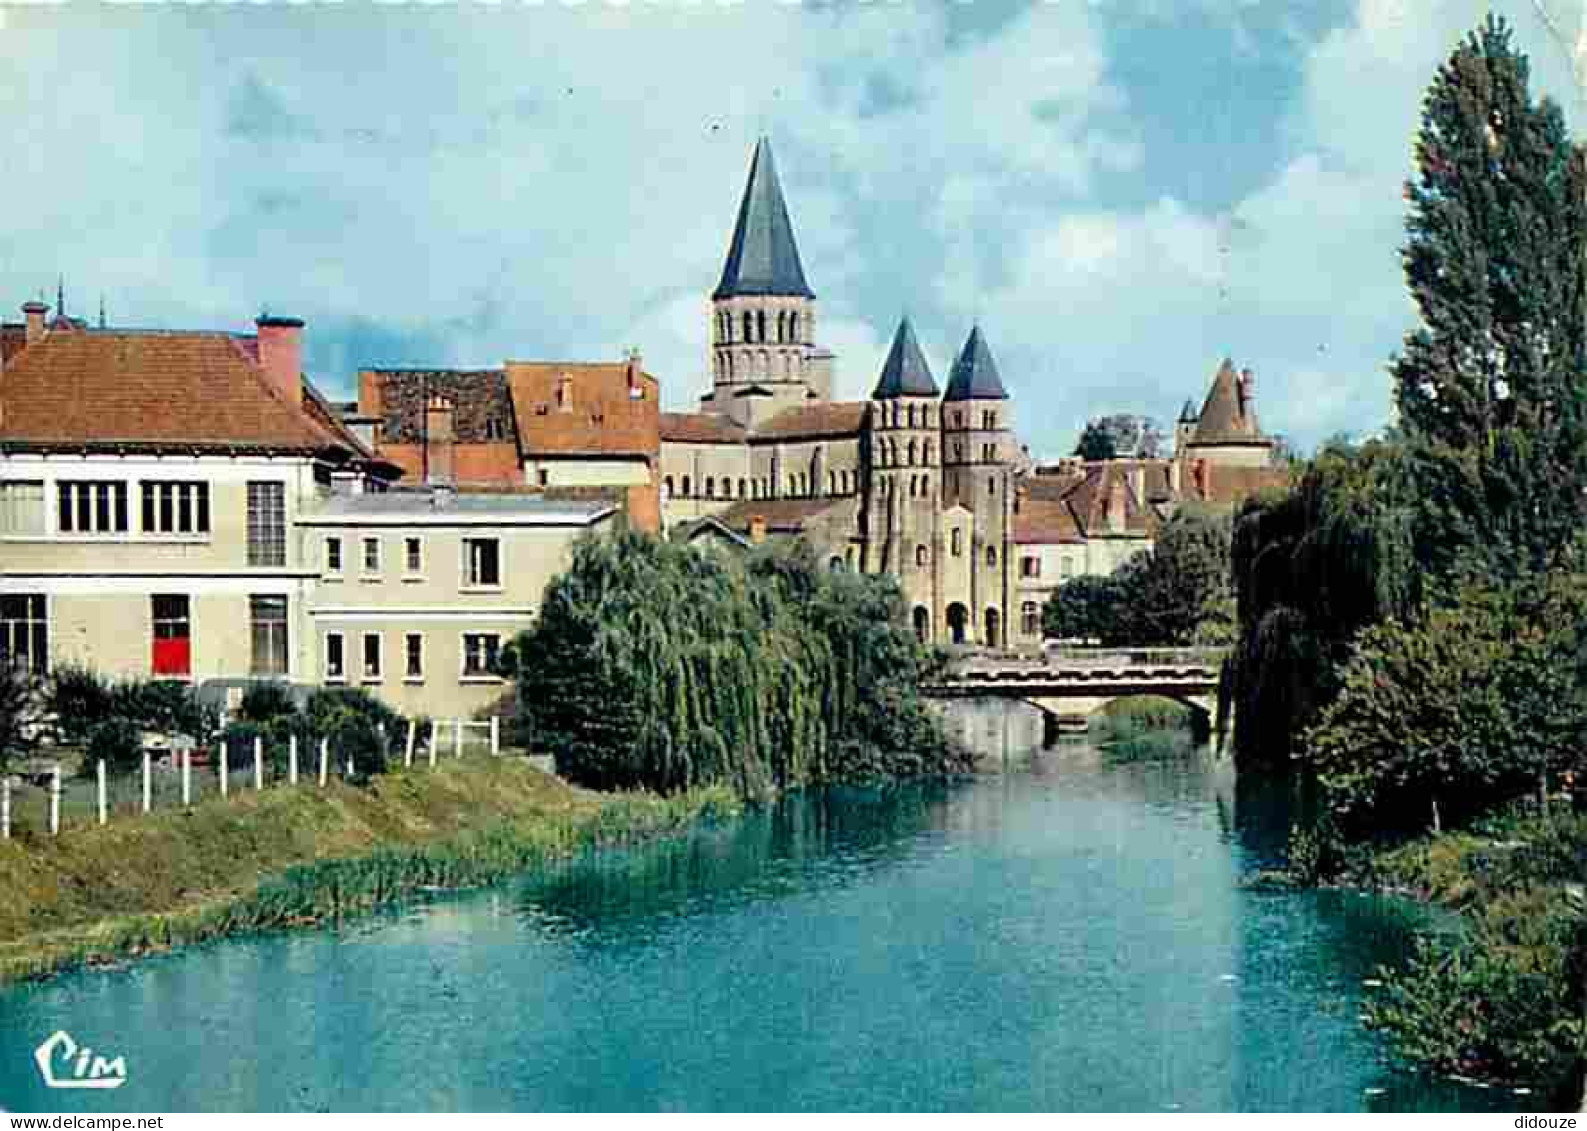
[(975, 376), (905, 372), (763, 258), (1225, 416)]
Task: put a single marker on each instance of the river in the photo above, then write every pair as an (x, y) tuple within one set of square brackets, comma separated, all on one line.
[(1069, 933)]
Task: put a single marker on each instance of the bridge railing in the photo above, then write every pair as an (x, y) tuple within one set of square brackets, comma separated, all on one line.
[(1079, 656)]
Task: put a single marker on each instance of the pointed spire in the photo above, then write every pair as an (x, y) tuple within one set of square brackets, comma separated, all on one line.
[(905, 372), (763, 258), (60, 296), (974, 376), (1188, 414)]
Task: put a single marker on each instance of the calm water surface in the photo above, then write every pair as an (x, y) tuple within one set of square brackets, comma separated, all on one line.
[(1069, 934)]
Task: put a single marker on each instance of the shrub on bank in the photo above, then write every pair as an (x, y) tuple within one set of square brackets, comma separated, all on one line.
[(655, 666)]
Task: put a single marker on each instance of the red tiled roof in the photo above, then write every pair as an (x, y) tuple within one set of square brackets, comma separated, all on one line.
[(602, 417), (188, 389), (13, 336), (1042, 520), (700, 428), (781, 515), (842, 418)]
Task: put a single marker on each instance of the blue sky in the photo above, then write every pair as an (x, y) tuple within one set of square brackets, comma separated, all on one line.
[(1121, 191)]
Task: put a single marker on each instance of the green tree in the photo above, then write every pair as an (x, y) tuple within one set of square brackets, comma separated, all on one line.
[(1465, 708), (1489, 388), (653, 665), (1096, 443), (1080, 609)]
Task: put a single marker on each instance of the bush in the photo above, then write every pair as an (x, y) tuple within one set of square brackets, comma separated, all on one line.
[(357, 724), (79, 699), (1466, 709), (118, 742), (21, 697), (265, 701)]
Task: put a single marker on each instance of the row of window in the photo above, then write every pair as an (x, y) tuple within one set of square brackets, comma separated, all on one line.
[(755, 324), (894, 415), (148, 506), (955, 547), (1030, 566), (480, 651), (799, 484), (758, 363), (24, 640), (481, 562)]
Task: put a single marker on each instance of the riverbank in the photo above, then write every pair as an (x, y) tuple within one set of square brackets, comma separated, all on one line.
[(302, 855), (1501, 1000)]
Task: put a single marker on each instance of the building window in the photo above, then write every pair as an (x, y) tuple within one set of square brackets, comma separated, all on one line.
[(413, 652), (372, 555), (481, 563), (742, 487), (175, 508), (1030, 566), (920, 555), (413, 556), (991, 555), (335, 658), (1029, 619), (21, 507), (333, 555), (957, 540), (686, 486), (668, 486), (173, 634), (479, 654), (90, 506), (267, 524), (371, 656), (24, 632), (710, 487), (543, 477), (1066, 568), (268, 624)]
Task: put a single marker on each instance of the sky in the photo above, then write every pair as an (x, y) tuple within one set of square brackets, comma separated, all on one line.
[(1121, 192)]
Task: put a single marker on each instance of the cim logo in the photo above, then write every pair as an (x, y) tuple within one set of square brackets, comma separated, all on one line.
[(65, 1064)]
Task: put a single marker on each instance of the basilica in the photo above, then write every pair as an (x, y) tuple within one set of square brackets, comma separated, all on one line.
[(927, 483)]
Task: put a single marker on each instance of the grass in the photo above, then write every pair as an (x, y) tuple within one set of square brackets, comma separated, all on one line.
[(1145, 728), (291, 856)]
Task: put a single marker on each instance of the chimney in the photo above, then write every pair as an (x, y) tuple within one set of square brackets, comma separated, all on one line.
[(1247, 391), (636, 382), (1117, 508), (35, 312), (439, 437), (281, 355), (757, 529)]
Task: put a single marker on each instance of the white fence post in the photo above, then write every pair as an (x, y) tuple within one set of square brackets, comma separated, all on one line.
[(349, 765), (435, 739), (187, 778), (55, 800), (407, 753), (325, 754), (495, 735), (292, 760), (148, 781), (5, 808), (258, 764), (225, 768), (104, 814), (459, 739)]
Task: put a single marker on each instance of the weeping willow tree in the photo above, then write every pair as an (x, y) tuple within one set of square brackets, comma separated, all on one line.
[(653, 665), (1312, 567)]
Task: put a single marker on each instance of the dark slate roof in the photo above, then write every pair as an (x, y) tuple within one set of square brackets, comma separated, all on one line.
[(1188, 414), (905, 372), (974, 376), (763, 258)]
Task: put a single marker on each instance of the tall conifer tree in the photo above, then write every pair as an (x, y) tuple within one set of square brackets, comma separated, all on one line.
[(1490, 388)]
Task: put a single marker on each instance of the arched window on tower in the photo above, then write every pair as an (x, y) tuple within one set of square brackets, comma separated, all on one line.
[(686, 486), (782, 326), (925, 453), (760, 328), (920, 555), (956, 541), (749, 327), (793, 326), (991, 557)]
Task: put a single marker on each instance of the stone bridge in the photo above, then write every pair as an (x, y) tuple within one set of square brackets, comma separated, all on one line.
[(1071, 684)]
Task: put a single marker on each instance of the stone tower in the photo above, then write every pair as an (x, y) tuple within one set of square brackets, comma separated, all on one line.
[(978, 449), (903, 488), (763, 353)]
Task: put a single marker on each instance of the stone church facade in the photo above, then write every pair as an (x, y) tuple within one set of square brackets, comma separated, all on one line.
[(922, 482)]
